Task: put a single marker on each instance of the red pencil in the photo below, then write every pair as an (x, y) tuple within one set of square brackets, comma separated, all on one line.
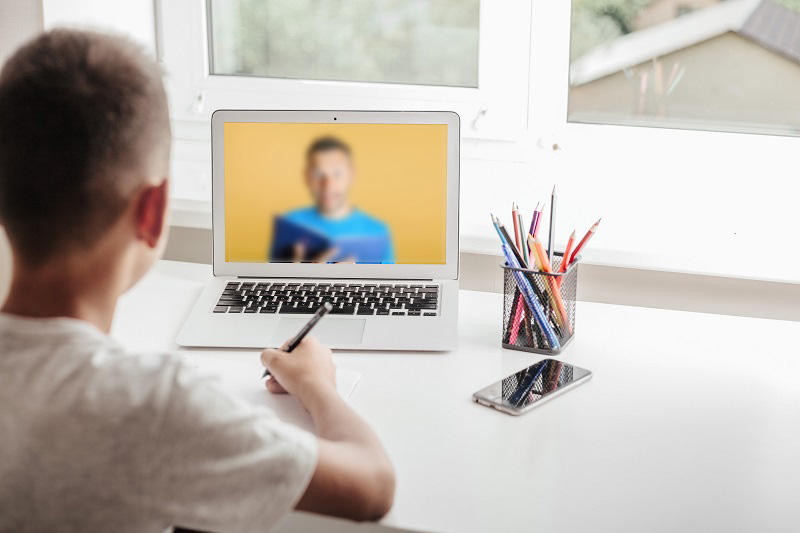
[(565, 257), (516, 226), (589, 235)]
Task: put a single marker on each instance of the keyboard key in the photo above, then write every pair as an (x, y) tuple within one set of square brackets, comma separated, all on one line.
[(346, 310), (412, 312), (430, 289), (398, 312), (268, 310), (382, 312), (251, 310), (232, 285), (420, 306), (415, 286), (297, 310), (247, 285), (428, 314), (236, 309), (365, 311), (232, 302), (221, 309)]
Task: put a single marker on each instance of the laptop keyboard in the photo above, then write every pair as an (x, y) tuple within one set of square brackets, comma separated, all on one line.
[(347, 298)]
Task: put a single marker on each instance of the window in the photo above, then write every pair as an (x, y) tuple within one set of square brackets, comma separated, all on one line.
[(730, 65), (425, 42), (654, 187), (467, 56)]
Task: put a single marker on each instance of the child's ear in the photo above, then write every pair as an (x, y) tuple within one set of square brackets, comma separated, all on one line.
[(151, 213)]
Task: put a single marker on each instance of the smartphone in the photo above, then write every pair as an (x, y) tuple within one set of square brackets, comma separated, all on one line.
[(532, 386)]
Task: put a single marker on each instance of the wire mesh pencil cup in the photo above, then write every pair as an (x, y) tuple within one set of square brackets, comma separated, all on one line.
[(549, 326)]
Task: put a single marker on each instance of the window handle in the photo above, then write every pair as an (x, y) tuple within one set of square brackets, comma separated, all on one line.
[(199, 102), (479, 119)]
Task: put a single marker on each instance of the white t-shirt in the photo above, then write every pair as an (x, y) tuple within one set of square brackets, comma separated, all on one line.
[(96, 439)]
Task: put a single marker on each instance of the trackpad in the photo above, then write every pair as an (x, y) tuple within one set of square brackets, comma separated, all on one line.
[(331, 332)]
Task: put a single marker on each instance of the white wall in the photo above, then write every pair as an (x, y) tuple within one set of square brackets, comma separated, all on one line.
[(131, 17), (19, 21)]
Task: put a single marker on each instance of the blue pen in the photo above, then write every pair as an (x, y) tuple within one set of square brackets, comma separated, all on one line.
[(531, 300)]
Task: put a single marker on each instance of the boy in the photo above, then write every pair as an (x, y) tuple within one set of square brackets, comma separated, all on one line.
[(98, 439)]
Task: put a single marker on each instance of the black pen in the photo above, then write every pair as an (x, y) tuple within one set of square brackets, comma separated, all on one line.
[(324, 309)]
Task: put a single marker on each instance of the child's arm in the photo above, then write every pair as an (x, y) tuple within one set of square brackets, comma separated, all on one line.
[(354, 477)]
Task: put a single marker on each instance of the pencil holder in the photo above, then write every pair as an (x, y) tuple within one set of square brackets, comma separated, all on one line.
[(539, 308)]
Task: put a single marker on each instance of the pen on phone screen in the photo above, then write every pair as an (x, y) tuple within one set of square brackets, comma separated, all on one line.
[(324, 309)]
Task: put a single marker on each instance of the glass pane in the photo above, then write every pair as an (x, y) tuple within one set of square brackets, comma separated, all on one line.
[(424, 42), (727, 65)]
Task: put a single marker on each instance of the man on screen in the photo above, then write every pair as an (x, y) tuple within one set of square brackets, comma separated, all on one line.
[(329, 176)]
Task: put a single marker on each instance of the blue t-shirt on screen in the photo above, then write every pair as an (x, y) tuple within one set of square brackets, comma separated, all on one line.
[(356, 223)]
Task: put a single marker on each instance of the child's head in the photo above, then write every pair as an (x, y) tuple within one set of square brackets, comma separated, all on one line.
[(84, 149)]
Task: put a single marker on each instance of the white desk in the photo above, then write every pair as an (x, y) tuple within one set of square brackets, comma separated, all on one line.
[(691, 422)]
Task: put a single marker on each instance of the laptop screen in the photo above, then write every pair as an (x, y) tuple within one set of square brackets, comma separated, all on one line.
[(335, 193)]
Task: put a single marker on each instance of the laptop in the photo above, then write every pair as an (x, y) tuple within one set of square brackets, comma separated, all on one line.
[(355, 208)]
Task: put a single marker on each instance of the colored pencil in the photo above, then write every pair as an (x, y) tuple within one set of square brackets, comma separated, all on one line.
[(537, 221), (516, 226), (533, 219), (554, 291), (496, 227), (516, 321), (568, 250), (523, 241), (510, 243), (586, 238), (564, 258), (530, 299), (551, 238)]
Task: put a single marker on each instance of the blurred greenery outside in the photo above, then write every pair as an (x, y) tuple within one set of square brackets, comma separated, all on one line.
[(595, 22), (427, 42)]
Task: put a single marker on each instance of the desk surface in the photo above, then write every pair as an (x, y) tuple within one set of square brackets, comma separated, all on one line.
[(690, 423)]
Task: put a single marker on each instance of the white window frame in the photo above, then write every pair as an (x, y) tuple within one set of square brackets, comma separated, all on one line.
[(674, 200), (549, 123), (496, 110), (701, 199)]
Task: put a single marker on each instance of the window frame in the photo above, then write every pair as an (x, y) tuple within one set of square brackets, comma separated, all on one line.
[(551, 126), (496, 110), (709, 207)]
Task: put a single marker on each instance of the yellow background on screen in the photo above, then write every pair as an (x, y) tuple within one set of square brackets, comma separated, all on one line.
[(401, 179)]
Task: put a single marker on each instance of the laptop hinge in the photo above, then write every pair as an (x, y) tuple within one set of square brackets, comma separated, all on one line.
[(330, 278)]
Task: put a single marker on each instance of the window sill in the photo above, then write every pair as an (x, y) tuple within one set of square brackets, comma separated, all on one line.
[(714, 265), (197, 214)]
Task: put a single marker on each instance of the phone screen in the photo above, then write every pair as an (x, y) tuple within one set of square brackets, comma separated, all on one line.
[(530, 385)]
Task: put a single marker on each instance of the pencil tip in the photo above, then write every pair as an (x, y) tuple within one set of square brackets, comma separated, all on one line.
[(573, 234), (554, 189)]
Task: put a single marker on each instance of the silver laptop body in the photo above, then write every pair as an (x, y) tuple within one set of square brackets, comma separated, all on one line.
[(399, 306)]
